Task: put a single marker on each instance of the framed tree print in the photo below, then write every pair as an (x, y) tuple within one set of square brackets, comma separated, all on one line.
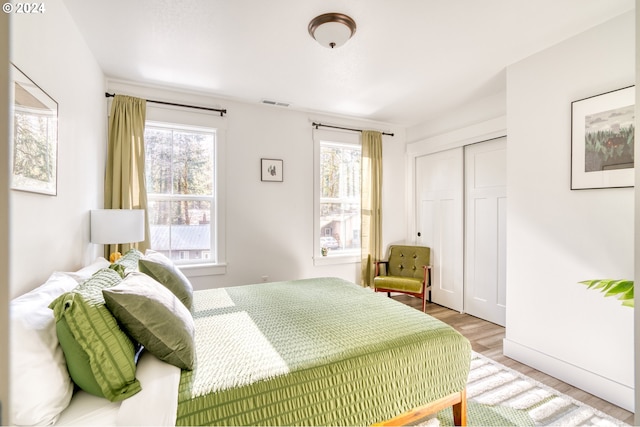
[(602, 140), (34, 141), (271, 170)]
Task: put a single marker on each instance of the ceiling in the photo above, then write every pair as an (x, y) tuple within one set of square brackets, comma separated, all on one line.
[(408, 62)]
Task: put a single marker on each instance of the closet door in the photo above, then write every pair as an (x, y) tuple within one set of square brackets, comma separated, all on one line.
[(439, 205), (485, 228)]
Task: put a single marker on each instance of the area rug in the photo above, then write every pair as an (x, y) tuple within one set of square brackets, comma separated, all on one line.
[(500, 396)]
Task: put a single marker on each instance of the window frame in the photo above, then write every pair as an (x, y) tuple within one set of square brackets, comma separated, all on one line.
[(184, 119), (338, 138)]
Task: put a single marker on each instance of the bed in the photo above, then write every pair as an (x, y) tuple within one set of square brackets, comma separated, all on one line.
[(319, 351)]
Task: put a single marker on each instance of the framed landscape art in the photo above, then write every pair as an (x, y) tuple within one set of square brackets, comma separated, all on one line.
[(602, 140), (34, 142)]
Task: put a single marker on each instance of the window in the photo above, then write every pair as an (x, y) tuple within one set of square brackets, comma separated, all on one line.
[(181, 191), (337, 225)]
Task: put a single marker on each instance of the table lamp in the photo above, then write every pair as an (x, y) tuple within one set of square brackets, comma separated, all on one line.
[(117, 226)]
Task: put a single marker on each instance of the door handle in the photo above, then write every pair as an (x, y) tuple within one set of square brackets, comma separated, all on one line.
[(419, 234)]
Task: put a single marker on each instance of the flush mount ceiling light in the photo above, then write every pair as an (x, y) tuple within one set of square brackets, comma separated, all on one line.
[(332, 29)]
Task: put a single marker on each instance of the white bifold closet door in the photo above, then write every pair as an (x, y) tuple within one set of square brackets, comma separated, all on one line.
[(485, 230), (439, 225)]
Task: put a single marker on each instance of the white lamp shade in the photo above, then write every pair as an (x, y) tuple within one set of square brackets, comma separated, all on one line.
[(114, 226)]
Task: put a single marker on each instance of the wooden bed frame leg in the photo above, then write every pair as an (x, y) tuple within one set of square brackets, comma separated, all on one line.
[(460, 410)]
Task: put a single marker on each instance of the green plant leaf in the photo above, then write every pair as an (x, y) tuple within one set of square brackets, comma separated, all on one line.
[(619, 287), (612, 287), (590, 283)]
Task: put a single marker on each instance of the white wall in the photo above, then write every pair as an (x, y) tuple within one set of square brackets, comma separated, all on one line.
[(461, 124), (52, 233), (269, 226), (637, 228), (5, 253), (557, 237)]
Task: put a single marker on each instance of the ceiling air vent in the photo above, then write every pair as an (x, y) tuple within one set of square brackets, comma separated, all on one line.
[(276, 103)]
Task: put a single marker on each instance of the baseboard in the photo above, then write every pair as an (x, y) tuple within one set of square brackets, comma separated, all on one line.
[(609, 390)]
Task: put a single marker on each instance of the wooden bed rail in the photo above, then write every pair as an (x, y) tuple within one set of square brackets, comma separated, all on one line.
[(458, 402)]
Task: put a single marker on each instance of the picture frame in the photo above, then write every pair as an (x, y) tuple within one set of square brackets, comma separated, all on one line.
[(33, 137), (271, 170), (602, 140)]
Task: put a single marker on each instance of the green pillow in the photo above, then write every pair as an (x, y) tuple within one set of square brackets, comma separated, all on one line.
[(152, 315), (164, 271), (100, 356)]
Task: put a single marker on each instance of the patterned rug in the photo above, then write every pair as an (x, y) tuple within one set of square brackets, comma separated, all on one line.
[(500, 396)]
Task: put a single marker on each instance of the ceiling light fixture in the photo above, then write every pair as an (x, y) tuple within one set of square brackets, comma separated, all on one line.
[(332, 29)]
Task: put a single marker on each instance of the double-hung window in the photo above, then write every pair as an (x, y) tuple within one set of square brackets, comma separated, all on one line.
[(183, 172), (337, 218)]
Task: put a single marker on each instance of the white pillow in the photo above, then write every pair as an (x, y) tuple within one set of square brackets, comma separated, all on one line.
[(40, 384), (86, 272)]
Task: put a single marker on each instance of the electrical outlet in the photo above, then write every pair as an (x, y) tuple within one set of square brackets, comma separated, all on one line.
[(265, 278)]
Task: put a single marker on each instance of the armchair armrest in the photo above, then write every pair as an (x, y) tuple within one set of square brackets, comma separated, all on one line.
[(427, 277), (386, 263)]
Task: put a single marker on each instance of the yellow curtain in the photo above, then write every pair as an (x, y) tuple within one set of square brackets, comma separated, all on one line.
[(371, 204), (124, 186)]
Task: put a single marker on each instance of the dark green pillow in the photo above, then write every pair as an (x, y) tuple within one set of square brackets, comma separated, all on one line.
[(164, 271), (100, 356), (152, 315)]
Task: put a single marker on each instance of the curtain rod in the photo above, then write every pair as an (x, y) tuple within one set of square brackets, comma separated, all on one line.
[(222, 112), (339, 127)]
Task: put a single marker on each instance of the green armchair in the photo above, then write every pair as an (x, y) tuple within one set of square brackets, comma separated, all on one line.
[(407, 271)]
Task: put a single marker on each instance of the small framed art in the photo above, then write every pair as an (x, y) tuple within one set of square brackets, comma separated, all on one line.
[(34, 142), (271, 169), (602, 140)]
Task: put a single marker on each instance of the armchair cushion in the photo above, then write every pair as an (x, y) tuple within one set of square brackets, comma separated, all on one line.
[(398, 283)]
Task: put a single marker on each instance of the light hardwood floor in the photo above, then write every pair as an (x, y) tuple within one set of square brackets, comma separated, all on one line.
[(486, 338)]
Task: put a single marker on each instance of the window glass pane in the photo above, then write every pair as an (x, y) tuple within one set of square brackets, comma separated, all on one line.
[(340, 226), (340, 171), (181, 229), (339, 197), (159, 213), (157, 142), (192, 163), (180, 186)]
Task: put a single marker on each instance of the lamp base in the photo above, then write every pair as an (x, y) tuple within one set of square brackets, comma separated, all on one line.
[(114, 257)]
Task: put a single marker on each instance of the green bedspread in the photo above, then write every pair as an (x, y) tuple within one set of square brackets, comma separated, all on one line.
[(315, 352)]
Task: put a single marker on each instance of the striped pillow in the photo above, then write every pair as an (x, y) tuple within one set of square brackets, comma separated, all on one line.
[(128, 262), (100, 356)]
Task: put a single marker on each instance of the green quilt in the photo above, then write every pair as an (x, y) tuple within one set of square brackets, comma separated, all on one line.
[(315, 352)]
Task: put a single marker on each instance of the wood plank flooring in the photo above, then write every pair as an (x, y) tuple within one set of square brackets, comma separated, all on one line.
[(486, 338)]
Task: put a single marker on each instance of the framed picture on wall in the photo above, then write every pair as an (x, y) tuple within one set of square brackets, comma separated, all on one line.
[(34, 140), (602, 140), (271, 170)]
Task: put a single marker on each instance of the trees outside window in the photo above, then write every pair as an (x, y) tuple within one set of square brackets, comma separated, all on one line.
[(180, 179), (340, 197)]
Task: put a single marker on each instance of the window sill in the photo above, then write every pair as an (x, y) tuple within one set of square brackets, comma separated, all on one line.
[(198, 270), (336, 259)]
